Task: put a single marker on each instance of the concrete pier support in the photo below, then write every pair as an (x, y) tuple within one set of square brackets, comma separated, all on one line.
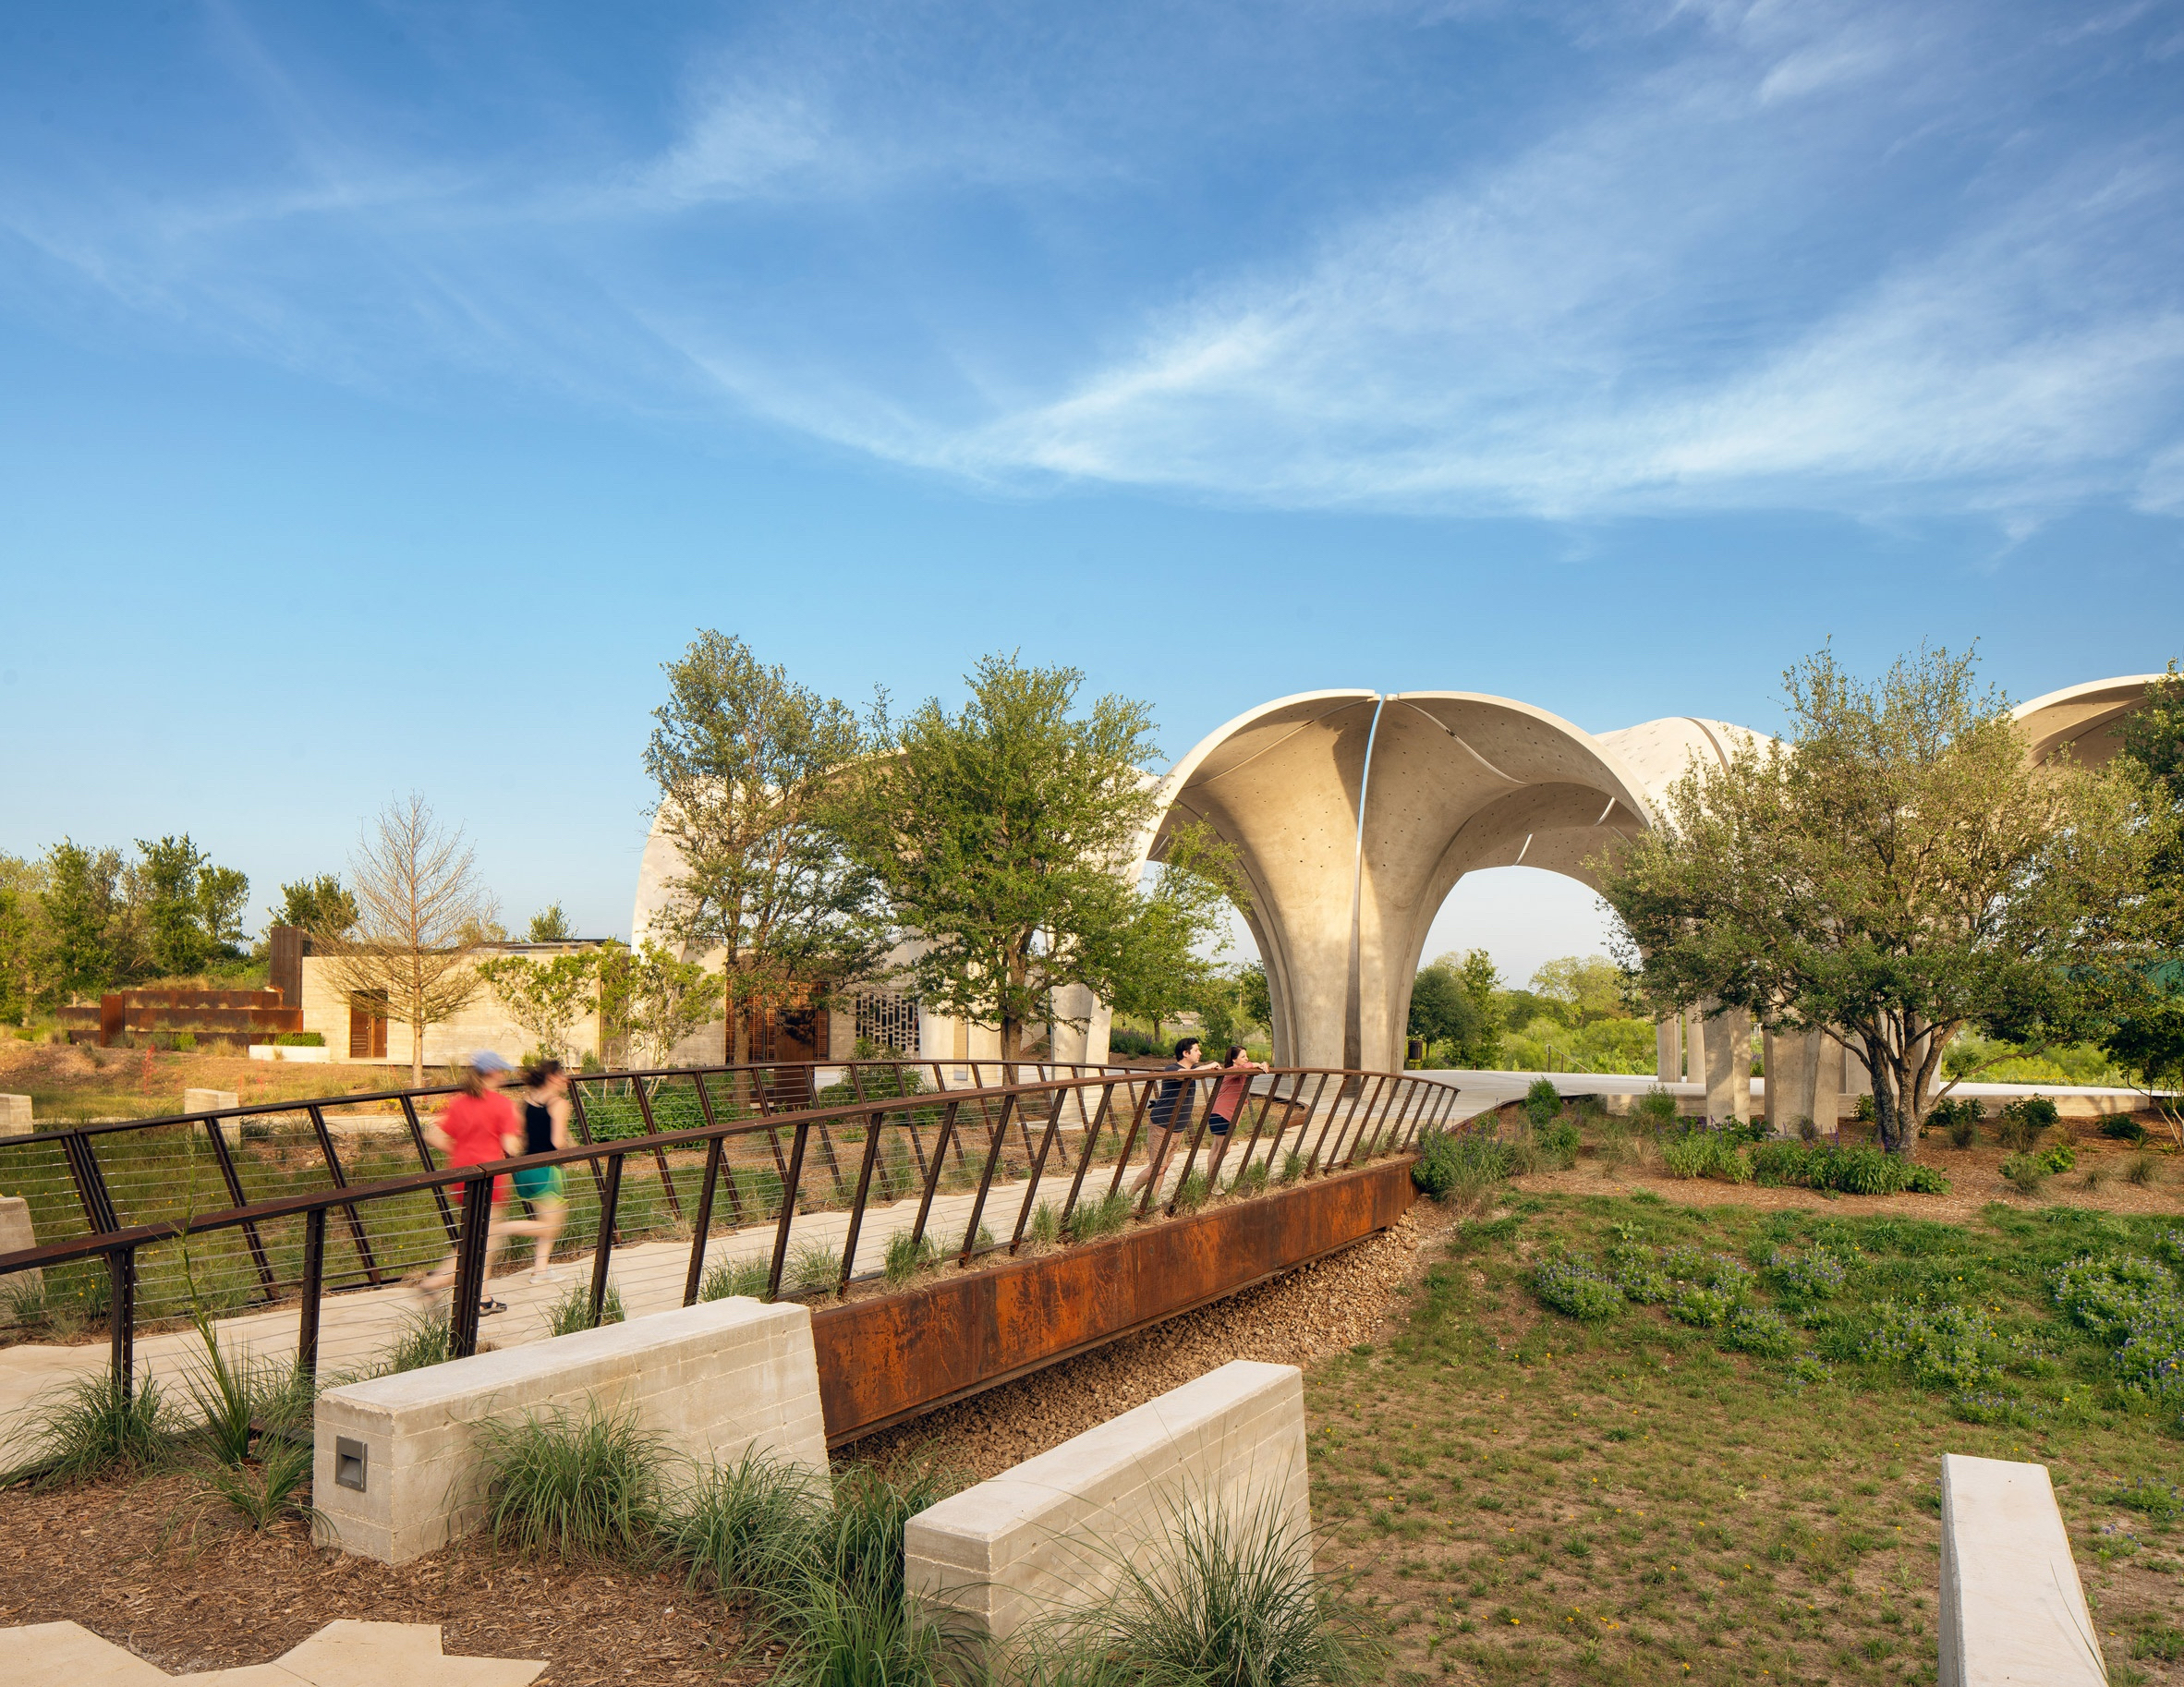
[(1729, 1065), (1668, 1044)]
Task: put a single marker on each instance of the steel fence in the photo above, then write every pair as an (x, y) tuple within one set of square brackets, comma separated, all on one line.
[(262, 1213)]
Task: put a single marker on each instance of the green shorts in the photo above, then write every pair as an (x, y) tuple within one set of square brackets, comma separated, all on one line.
[(539, 1184)]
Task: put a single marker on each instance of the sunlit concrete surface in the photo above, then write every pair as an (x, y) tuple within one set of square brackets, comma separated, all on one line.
[(342, 1654)]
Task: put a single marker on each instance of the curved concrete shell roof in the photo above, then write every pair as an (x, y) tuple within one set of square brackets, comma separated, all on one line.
[(1354, 814)]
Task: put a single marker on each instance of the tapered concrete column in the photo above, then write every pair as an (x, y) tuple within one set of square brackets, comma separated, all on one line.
[(1729, 1065), (1695, 1046), (1828, 1083), (1668, 1051), (1794, 1061)]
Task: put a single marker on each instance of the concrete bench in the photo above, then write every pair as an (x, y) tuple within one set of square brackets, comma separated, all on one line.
[(1055, 1531), (397, 1475), (2011, 1607)]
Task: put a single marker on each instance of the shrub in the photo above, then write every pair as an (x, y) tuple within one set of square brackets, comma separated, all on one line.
[(1656, 1108), (1944, 1347), (571, 1312), (745, 1277), (1555, 1144), (2059, 1158), (577, 1485), (1760, 1330), (2122, 1127), (1707, 1308), (2024, 1120), (1461, 1166), (1570, 1284), (1542, 1103), (1814, 1274), (1960, 1116)]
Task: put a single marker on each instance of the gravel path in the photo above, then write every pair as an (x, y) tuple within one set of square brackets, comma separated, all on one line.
[(1317, 1309)]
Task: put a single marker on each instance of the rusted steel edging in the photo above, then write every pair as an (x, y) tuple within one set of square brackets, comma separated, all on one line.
[(888, 1359)]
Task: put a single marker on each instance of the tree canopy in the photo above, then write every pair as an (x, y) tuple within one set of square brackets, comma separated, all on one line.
[(1001, 836), (1900, 869)]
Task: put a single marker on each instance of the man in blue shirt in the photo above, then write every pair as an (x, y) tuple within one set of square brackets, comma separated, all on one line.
[(1169, 1111)]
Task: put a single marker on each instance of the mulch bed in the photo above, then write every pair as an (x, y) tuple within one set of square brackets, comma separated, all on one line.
[(120, 1558)]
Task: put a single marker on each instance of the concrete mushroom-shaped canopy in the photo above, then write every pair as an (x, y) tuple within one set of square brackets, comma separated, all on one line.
[(2079, 718), (1340, 907)]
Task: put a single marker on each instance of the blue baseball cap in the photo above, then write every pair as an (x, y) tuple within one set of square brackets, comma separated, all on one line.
[(486, 1061)]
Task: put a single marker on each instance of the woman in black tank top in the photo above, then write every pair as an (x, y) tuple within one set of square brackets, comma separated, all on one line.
[(545, 1128)]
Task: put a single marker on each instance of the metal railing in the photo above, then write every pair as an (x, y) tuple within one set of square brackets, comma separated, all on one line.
[(256, 1207)]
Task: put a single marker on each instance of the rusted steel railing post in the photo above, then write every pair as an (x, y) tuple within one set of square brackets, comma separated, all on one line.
[(1145, 1095), (1038, 1164), (705, 1110), (91, 1184), (584, 1135), (932, 1176), (1091, 1143), (1358, 1137), (357, 1239), (235, 1194), (856, 1206), (701, 1229), (788, 1209), (1000, 1140), (314, 1285), (424, 1160), (667, 1178), (471, 1258), (121, 1320), (602, 1253)]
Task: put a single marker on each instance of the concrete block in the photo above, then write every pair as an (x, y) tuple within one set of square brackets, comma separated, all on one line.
[(17, 1235), (2011, 1607), (1054, 1532), (15, 1115), (709, 1381), (207, 1100)]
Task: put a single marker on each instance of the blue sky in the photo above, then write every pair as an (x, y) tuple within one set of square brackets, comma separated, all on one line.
[(385, 392)]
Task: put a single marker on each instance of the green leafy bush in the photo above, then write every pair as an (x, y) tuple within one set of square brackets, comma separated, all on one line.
[(2122, 1127), (2024, 1120), (1571, 1286), (1657, 1109), (1705, 1153), (1707, 1308), (1760, 1330), (1959, 1116), (1861, 1170), (1542, 1103), (1814, 1275), (1945, 1346)]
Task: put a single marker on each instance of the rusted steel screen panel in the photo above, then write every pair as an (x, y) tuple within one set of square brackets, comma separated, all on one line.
[(883, 1360)]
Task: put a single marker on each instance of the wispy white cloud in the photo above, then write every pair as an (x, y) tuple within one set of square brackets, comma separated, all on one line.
[(1801, 256)]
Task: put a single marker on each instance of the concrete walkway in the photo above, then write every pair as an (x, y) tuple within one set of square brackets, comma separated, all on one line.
[(357, 1327), (342, 1653)]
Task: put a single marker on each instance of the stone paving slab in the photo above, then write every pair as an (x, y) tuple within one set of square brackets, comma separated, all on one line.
[(342, 1654)]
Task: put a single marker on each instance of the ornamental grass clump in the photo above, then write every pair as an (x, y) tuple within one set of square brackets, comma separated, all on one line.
[(730, 1531), (576, 1485), (1225, 1599), (725, 1278), (1107, 1215), (571, 1312), (1571, 1284), (908, 1258), (1461, 1167), (93, 1430)]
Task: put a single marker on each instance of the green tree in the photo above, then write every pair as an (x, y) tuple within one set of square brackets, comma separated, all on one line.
[(1899, 871), (1482, 983), (1256, 996), (88, 928), (650, 1000), (192, 909), (316, 906), (745, 760), (1002, 835), (546, 997), (25, 946), (1586, 986), (2144, 1028), (550, 925)]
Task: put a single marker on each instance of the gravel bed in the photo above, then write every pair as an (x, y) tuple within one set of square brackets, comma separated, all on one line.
[(1316, 1310)]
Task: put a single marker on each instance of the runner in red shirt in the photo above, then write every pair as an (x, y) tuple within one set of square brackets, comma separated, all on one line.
[(476, 1128)]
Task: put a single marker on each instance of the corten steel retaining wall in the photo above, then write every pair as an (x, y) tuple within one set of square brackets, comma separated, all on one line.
[(884, 1361)]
